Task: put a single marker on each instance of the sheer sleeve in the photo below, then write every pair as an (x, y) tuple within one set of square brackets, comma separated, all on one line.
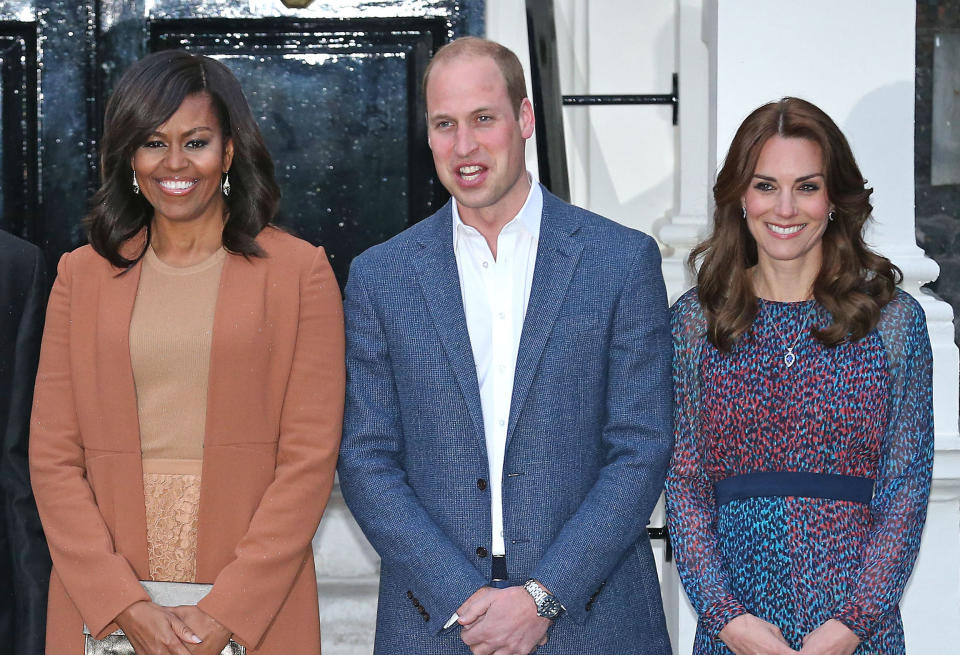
[(690, 500), (899, 504)]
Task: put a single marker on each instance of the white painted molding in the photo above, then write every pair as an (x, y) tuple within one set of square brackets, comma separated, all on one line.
[(573, 39), (690, 222)]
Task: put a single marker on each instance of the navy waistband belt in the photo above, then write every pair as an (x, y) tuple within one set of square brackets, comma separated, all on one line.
[(498, 566), (791, 483)]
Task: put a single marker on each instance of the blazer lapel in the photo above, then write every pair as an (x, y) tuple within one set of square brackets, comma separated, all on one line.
[(118, 397), (118, 293), (558, 253), (239, 319), (239, 315), (437, 272)]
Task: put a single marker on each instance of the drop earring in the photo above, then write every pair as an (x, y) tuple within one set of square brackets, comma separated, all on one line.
[(225, 185), (831, 216), (136, 185), (743, 212)]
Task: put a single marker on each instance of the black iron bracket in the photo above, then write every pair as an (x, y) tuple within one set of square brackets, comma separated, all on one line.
[(548, 101), (672, 98), (662, 533)]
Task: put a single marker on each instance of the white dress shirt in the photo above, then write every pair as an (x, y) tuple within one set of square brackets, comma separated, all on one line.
[(495, 295)]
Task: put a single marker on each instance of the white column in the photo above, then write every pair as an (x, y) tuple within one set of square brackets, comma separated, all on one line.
[(761, 50), (573, 50), (690, 220)]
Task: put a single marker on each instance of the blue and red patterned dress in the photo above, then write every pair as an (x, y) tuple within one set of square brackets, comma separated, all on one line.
[(798, 494)]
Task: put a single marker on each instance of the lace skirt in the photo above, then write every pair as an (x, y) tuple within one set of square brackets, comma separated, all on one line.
[(172, 504)]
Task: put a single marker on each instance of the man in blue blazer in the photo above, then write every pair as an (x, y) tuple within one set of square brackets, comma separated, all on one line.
[(508, 416)]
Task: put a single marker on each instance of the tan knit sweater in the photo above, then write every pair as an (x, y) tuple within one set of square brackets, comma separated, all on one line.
[(170, 335)]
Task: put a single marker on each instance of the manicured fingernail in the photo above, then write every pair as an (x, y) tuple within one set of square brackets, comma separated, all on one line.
[(195, 639)]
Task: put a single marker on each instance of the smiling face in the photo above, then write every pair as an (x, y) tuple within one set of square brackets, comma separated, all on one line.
[(787, 203), (179, 168), (477, 138)]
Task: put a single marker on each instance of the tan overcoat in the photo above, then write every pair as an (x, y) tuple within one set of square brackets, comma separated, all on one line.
[(274, 413)]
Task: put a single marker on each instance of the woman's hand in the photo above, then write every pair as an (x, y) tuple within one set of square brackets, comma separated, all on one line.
[(215, 636), (749, 635), (155, 630), (831, 638)]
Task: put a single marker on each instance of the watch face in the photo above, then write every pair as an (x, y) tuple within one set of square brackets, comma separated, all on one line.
[(549, 608)]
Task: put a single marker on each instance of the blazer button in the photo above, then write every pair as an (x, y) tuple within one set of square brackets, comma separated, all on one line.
[(416, 603), (481, 484), (426, 617), (409, 594), (481, 551)]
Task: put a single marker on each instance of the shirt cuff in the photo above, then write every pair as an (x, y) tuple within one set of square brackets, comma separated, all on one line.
[(453, 620)]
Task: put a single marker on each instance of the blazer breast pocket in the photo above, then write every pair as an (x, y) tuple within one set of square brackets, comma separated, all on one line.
[(580, 321), (576, 350), (581, 335)]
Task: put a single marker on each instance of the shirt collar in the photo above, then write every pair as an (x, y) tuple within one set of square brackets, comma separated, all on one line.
[(528, 218)]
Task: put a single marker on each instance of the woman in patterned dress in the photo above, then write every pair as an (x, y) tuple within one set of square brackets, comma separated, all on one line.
[(798, 488)]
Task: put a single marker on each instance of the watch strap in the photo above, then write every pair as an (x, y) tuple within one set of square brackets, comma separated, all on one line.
[(547, 604)]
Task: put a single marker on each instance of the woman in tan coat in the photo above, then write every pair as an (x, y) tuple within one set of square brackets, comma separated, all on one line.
[(189, 399)]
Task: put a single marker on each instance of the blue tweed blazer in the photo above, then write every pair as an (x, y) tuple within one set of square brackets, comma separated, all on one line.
[(589, 435)]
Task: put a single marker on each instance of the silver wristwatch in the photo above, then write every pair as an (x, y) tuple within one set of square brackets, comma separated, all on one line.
[(547, 604)]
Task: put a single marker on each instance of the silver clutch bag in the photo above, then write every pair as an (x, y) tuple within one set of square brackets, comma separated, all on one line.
[(168, 594)]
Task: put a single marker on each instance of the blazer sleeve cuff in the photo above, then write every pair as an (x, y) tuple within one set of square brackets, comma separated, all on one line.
[(453, 597), (101, 619), (219, 608)]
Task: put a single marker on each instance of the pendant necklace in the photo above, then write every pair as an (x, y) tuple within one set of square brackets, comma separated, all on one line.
[(789, 357)]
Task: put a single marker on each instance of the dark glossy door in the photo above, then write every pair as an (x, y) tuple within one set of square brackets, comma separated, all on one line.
[(335, 88), (18, 127)]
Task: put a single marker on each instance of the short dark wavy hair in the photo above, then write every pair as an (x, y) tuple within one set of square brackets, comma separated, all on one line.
[(854, 283), (147, 95)]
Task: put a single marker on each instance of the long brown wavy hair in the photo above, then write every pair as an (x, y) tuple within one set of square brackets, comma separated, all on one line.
[(854, 282)]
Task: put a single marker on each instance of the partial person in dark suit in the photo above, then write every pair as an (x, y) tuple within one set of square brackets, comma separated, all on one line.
[(508, 417), (24, 559)]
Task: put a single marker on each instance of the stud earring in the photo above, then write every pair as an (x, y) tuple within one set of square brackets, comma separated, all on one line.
[(225, 185), (136, 185), (831, 216)]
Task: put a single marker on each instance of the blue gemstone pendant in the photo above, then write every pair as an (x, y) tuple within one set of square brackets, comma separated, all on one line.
[(789, 358)]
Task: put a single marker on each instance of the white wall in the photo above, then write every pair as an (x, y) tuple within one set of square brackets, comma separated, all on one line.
[(610, 47), (620, 47)]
